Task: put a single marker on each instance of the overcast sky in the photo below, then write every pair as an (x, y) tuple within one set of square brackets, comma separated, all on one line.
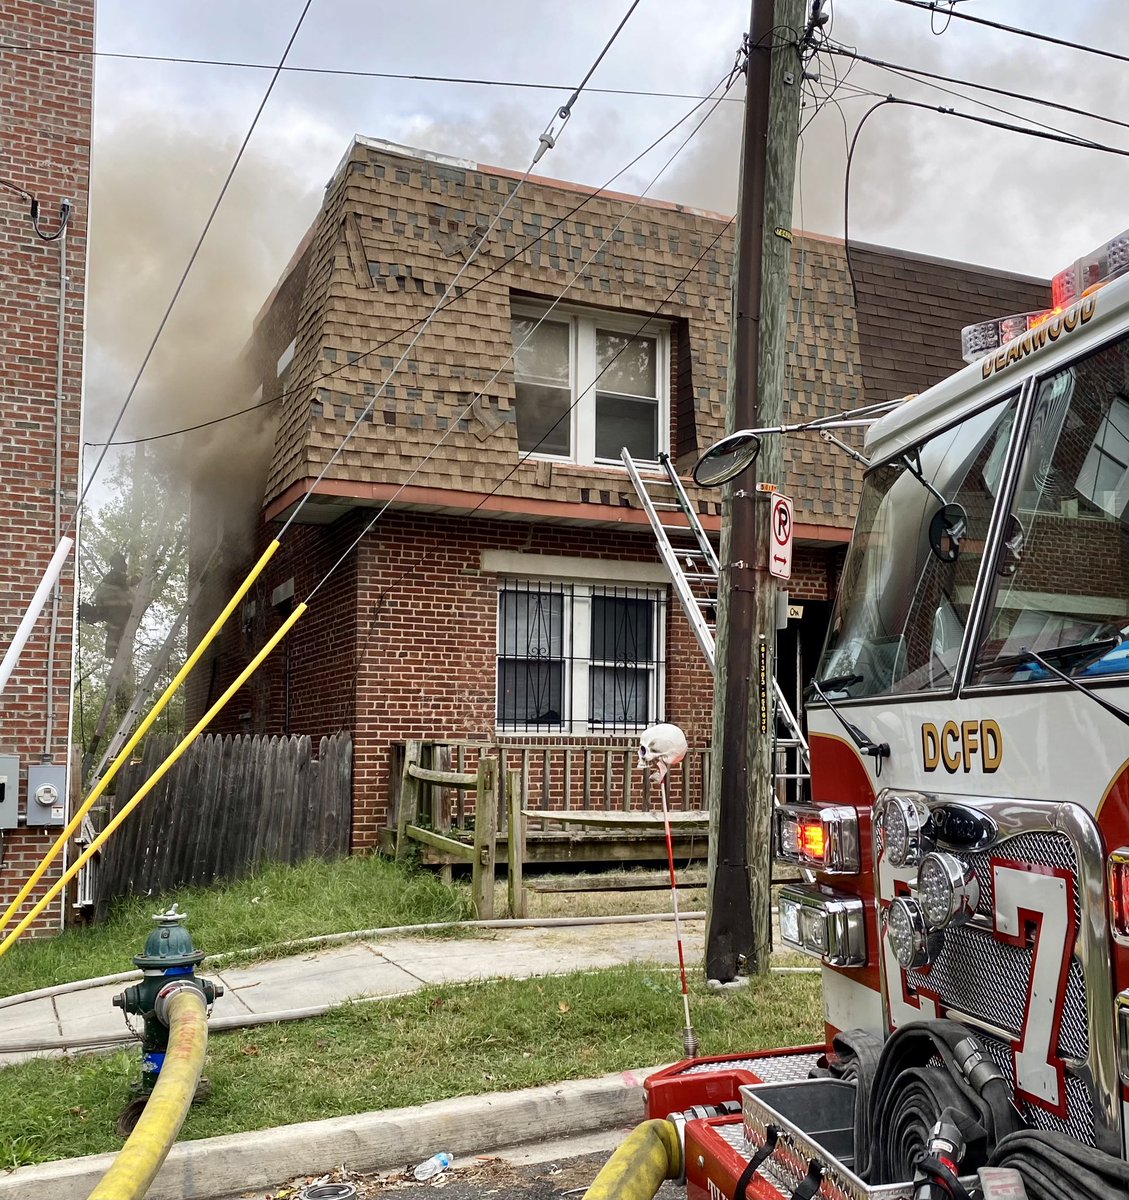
[(166, 133)]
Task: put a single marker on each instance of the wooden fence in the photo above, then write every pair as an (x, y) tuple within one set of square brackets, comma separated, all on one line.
[(227, 805), (472, 802)]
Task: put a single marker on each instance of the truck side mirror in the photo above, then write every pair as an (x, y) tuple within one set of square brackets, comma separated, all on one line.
[(947, 531)]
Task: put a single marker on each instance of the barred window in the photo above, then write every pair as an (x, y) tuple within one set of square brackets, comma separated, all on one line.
[(575, 657)]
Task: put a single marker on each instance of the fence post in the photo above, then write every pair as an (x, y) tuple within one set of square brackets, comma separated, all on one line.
[(485, 835), (409, 797), (515, 846)]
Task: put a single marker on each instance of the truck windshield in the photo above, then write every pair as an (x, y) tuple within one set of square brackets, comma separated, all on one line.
[(1063, 580), (901, 610)]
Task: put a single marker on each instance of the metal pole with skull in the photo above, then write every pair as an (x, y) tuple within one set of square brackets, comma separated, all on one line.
[(660, 748)]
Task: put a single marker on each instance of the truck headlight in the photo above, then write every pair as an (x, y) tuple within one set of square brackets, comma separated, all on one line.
[(828, 925), (947, 890), (910, 939), (822, 838), (906, 828)]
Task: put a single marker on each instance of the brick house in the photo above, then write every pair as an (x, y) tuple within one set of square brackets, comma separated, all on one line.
[(510, 581), (47, 73)]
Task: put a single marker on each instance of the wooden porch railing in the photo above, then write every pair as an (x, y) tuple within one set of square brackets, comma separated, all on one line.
[(590, 791)]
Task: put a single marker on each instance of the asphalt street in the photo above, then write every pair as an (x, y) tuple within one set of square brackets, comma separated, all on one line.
[(551, 1171)]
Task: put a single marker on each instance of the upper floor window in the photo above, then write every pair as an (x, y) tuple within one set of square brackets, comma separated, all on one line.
[(586, 384)]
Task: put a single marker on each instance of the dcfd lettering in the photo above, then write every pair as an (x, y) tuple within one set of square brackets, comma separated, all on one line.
[(955, 745)]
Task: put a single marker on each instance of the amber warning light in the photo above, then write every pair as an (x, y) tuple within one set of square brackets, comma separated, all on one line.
[(1082, 277)]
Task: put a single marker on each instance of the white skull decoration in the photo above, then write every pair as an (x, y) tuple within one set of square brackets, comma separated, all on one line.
[(660, 748)]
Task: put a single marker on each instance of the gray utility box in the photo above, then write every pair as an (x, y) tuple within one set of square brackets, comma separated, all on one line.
[(9, 790), (46, 794)]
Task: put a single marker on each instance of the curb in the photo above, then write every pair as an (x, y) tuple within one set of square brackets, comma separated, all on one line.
[(366, 1142)]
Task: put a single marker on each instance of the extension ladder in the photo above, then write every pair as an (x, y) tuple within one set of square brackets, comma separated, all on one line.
[(693, 567)]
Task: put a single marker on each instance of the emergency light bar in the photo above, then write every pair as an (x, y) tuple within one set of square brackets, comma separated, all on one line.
[(1079, 279)]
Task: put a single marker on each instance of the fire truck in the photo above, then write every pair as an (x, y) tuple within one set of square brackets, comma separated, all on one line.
[(964, 851)]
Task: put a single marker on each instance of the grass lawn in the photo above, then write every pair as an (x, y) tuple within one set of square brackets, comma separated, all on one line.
[(278, 904), (435, 1044)]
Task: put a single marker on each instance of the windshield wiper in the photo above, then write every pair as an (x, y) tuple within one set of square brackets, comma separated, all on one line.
[(1077, 650), (1059, 652), (877, 750)]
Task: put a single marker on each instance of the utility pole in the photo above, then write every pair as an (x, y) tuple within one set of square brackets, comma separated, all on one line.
[(738, 930)]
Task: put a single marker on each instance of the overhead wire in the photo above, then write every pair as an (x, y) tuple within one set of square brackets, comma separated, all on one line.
[(546, 141), (931, 6), (191, 261), (578, 274), (357, 73), (1041, 134), (930, 79)]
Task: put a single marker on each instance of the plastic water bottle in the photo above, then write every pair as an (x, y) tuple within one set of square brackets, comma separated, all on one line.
[(431, 1168)]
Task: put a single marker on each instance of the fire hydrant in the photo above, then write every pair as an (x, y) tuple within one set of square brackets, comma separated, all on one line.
[(168, 964)]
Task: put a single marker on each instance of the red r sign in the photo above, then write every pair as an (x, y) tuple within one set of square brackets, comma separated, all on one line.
[(780, 539)]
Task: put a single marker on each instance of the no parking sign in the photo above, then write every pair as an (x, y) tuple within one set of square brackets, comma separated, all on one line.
[(780, 537)]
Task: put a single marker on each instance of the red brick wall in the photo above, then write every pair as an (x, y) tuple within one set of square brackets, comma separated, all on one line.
[(45, 150), (401, 642)]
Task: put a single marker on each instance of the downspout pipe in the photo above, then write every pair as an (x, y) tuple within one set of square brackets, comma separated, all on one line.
[(57, 591), (140, 1159), (650, 1155)]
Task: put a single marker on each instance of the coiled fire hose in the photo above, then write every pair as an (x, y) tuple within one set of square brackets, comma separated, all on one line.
[(1054, 1165), (904, 1087)]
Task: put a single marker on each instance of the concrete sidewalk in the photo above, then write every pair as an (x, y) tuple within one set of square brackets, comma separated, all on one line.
[(386, 967)]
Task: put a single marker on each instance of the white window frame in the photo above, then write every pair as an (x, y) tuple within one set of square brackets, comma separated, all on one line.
[(583, 323), (577, 632)]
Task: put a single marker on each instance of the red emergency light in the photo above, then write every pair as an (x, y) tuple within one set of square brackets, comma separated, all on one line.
[(1082, 277)]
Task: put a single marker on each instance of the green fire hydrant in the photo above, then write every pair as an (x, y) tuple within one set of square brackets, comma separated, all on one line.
[(168, 963)]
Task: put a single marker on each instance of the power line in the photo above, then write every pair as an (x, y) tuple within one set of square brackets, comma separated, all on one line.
[(191, 260), (931, 6), (917, 72), (1042, 135), (524, 458), (545, 141), (580, 391), (464, 80), (411, 325)]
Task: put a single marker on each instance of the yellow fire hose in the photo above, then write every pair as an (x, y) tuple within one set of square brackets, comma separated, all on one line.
[(148, 1145), (123, 756), (650, 1154), (152, 781)]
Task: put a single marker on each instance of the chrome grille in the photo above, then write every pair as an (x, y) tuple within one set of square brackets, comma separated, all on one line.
[(978, 975), (981, 976), (1079, 1122), (1044, 849)]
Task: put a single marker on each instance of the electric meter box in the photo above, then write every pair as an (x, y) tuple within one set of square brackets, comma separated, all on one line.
[(46, 794), (9, 790)]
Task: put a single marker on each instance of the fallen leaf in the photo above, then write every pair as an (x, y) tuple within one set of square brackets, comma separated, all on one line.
[(564, 1006), (251, 1051)]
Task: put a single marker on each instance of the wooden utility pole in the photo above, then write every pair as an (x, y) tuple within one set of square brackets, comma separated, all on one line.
[(738, 932)]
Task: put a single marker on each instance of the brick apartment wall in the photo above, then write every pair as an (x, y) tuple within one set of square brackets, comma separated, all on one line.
[(45, 150), (401, 642)]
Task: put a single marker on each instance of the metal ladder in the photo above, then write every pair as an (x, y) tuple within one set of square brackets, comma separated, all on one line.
[(693, 567)]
